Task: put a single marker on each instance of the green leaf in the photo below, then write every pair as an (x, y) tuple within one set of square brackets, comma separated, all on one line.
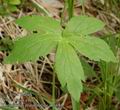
[(14, 2), (39, 23), (84, 25), (31, 47), (93, 48), (69, 69), (88, 70), (114, 41)]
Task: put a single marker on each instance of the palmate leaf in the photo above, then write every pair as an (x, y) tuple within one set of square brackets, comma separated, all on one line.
[(83, 25), (69, 69), (31, 47), (92, 47), (39, 23), (67, 64)]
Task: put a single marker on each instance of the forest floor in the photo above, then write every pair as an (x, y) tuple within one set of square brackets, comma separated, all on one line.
[(31, 83)]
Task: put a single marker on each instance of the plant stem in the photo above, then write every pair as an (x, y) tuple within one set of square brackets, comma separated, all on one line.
[(53, 85), (83, 9), (75, 105), (40, 7), (70, 8), (62, 14)]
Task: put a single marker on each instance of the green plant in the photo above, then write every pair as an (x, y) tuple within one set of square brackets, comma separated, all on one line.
[(70, 8), (110, 75), (7, 6), (6, 44), (76, 37), (108, 85)]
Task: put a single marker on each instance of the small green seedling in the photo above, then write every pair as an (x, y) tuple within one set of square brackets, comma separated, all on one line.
[(76, 37)]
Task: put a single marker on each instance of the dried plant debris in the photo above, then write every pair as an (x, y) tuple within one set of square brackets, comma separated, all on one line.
[(28, 86)]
